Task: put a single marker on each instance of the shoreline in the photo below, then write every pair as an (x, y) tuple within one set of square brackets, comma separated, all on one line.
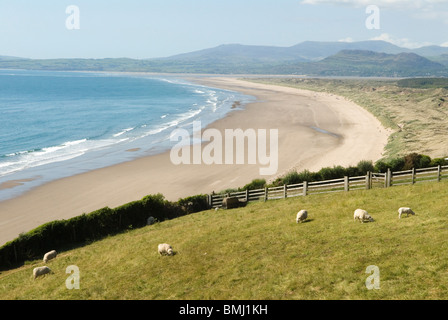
[(315, 130)]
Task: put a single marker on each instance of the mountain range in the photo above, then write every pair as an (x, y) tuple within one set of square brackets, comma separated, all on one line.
[(362, 59)]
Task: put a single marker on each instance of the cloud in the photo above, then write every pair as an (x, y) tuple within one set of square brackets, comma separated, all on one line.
[(444, 44), (401, 42), (402, 4), (348, 39)]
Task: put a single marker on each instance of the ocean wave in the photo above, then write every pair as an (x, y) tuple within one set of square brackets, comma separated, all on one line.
[(123, 132), (65, 151), (206, 104)]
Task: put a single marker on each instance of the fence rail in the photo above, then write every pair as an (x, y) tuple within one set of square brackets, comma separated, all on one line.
[(369, 181)]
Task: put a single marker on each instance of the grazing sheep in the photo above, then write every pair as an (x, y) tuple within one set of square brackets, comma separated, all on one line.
[(362, 216), (405, 210), (302, 215), (40, 271), (165, 249), (50, 255)]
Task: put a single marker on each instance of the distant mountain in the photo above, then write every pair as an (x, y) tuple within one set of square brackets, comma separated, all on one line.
[(373, 64), (312, 50), (238, 53), (431, 51), (9, 58), (302, 52), (365, 58), (442, 59)]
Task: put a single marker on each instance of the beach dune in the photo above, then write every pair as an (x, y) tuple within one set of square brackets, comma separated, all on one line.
[(314, 130)]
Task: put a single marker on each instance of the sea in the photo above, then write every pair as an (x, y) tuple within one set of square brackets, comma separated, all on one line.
[(58, 124)]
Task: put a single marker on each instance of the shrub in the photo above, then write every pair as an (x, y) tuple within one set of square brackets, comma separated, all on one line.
[(365, 166), (438, 162), (255, 184), (292, 177), (381, 166), (332, 173), (89, 227), (308, 176), (396, 164), (193, 204), (424, 162), (411, 161)]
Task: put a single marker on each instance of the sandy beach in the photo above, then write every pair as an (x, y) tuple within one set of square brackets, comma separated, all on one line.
[(314, 130)]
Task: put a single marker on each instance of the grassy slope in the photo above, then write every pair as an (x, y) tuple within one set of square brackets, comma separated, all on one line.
[(259, 252), (419, 117)]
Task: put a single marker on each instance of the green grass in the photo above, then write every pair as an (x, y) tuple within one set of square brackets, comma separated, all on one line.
[(259, 252)]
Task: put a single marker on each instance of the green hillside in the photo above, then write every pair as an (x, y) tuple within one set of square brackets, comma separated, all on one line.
[(359, 59), (363, 63), (259, 252)]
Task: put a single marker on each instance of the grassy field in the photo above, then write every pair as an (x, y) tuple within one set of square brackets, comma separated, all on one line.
[(259, 252), (419, 116)]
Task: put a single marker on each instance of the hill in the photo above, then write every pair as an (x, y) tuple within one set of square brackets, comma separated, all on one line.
[(363, 63), (307, 58), (302, 52), (259, 252), (442, 59)]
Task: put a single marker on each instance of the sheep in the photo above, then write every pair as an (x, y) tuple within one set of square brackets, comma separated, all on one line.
[(40, 271), (165, 249), (362, 216), (50, 255), (302, 215), (405, 210)]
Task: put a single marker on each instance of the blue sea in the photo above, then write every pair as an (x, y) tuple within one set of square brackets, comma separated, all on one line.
[(58, 124)]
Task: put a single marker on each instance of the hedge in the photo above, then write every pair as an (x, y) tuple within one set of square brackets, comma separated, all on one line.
[(63, 234)]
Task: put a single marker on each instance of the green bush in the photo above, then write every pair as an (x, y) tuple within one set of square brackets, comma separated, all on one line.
[(332, 173), (381, 166), (438, 162), (292, 177), (62, 234), (396, 164), (364, 167), (424, 162), (194, 204), (255, 184)]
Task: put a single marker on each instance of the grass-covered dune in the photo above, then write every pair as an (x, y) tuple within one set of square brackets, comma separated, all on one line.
[(259, 252)]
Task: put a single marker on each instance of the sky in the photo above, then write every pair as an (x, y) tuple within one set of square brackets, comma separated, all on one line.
[(46, 29)]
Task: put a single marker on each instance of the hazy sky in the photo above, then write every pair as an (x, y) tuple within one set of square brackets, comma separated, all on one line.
[(149, 28)]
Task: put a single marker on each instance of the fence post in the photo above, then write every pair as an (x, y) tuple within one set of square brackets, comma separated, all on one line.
[(247, 195), (388, 178), (284, 191), (385, 180), (305, 188), (368, 180), (346, 184), (439, 172), (413, 175), (265, 194)]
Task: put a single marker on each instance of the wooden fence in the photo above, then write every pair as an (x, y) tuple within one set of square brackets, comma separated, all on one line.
[(369, 181)]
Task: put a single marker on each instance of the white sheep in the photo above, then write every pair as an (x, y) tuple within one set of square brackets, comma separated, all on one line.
[(165, 249), (40, 271), (362, 216), (405, 210), (302, 215), (50, 255)]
